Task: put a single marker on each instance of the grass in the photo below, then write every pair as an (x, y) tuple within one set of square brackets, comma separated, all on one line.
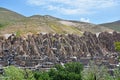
[(18, 33), (12, 22), (33, 26), (56, 28), (72, 30), (113, 25), (3, 25), (63, 29)]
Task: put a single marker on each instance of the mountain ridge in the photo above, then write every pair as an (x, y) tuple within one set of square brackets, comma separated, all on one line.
[(112, 25), (20, 24)]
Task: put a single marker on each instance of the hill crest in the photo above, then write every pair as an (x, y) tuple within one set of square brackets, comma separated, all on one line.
[(12, 22)]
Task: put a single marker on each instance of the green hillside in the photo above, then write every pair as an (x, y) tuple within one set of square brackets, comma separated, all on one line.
[(12, 22), (8, 17), (113, 25)]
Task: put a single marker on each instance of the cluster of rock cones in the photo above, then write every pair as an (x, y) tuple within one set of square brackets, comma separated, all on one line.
[(45, 50)]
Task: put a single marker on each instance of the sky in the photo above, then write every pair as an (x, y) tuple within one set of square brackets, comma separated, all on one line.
[(93, 11)]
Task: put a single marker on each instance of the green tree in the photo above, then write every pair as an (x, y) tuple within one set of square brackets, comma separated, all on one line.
[(28, 74), (41, 76), (70, 71), (117, 74), (74, 67), (14, 73), (117, 46), (94, 72), (117, 70)]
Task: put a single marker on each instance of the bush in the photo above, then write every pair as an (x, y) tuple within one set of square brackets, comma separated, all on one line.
[(70, 71), (74, 67), (41, 76), (117, 46), (14, 73), (95, 72), (117, 74)]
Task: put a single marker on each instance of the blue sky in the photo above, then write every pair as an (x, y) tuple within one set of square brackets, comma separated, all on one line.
[(93, 11)]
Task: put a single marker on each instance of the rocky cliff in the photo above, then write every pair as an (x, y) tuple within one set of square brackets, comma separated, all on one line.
[(45, 50)]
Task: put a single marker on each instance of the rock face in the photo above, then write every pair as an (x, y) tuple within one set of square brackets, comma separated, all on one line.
[(45, 50)]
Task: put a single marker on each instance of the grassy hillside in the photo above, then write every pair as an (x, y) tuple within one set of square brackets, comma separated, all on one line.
[(12, 22), (83, 26), (8, 17), (113, 25)]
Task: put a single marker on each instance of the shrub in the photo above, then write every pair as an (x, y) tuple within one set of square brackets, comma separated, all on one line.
[(41, 76), (70, 71), (95, 72), (14, 73), (117, 46)]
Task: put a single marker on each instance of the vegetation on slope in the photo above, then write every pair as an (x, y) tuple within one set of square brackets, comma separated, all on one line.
[(11, 22), (69, 71), (113, 25)]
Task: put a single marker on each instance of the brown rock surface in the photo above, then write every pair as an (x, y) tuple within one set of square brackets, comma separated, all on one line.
[(56, 48)]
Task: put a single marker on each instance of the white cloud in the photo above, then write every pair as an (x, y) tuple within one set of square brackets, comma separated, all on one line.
[(36, 2), (74, 6), (85, 20), (67, 10)]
